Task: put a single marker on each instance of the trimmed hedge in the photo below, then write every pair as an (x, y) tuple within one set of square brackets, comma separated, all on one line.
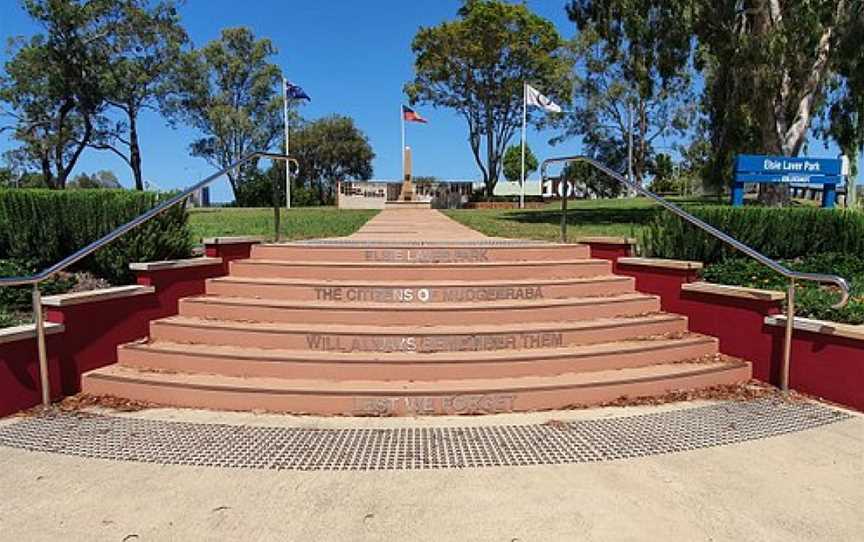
[(41, 227), (778, 233)]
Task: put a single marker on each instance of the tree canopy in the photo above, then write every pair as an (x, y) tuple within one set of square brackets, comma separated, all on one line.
[(771, 70), (52, 88), (477, 65), (632, 75), (329, 150), (513, 163), (228, 91), (148, 44)]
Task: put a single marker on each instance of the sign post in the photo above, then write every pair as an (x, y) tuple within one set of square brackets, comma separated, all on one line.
[(750, 168)]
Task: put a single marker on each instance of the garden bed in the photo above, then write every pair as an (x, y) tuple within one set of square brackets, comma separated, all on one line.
[(812, 300)]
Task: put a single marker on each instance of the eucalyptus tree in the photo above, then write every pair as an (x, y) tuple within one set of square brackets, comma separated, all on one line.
[(633, 78), (843, 120), (772, 69), (52, 86), (229, 91), (148, 42), (477, 65)]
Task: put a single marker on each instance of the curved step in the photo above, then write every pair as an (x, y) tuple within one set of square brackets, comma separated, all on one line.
[(421, 271), (293, 364), (413, 253), (424, 339), (407, 398), (267, 310), (417, 292)]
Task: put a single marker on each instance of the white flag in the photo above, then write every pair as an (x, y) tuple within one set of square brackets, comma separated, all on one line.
[(533, 97)]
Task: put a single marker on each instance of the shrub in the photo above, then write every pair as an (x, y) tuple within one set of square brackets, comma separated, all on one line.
[(18, 298), (777, 233), (41, 227), (812, 300), (9, 320)]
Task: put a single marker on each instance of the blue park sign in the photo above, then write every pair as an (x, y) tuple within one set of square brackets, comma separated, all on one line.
[(751, 168)]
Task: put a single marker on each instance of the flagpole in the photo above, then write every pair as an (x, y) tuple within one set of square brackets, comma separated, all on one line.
[(402, 148), (524, 122), (285, 121)]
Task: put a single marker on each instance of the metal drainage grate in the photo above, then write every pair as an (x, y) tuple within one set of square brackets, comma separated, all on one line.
[(233, 446)]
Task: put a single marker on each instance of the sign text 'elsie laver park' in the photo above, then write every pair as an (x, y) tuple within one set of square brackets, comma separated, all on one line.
[(827, 172)]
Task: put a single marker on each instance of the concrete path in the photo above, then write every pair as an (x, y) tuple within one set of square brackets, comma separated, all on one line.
[(799, 486), (413, 225)]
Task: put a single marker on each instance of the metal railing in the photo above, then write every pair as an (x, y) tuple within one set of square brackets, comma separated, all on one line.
[(838, 281), (49, 272)]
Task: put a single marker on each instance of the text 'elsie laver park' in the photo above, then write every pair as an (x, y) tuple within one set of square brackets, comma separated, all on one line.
[(825, 172), (808, 166)]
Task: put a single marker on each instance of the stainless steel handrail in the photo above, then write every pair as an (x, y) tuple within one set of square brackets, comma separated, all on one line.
[(792, 275), (48, 272)]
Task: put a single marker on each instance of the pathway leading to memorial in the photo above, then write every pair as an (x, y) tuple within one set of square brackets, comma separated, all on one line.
[(414, 225)]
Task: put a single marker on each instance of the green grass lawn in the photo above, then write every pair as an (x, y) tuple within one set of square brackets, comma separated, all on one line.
[(612, 217), (298, 223)]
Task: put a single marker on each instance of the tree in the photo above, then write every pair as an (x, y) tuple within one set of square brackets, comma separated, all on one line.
[(477, 65), (769, 67), (632, 75), (843, 120), (146, 54), (591, 182), (52, 86), (228, 91), (329, 150), (513, 163), (101, 179)]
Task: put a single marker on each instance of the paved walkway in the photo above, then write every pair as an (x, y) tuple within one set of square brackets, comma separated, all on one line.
[(801, 485), (413, 225)]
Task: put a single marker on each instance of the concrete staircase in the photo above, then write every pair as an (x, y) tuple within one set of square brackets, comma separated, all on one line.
[(386, 328)]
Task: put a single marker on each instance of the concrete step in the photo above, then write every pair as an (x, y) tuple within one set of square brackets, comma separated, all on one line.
[(464, 271), (320, 312), (417, 292), (413, 253), (410, 366), (399, 397), (403, 338)]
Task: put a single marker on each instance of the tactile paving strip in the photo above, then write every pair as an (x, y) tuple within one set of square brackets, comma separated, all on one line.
[(554, 442)]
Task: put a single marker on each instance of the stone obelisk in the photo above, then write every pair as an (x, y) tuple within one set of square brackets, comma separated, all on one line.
[(407, 185)]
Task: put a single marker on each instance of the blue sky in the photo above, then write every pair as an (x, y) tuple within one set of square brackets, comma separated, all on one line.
[(351, 57)]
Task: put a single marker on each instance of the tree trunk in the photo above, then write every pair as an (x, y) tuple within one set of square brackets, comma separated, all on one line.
[(490, 161), (47, 174), (135, 151)]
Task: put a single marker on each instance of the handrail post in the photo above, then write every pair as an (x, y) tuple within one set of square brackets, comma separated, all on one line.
[(787, 342), (44, 381)]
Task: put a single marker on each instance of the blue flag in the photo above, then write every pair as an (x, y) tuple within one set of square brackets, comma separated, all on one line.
[(294, 92)]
